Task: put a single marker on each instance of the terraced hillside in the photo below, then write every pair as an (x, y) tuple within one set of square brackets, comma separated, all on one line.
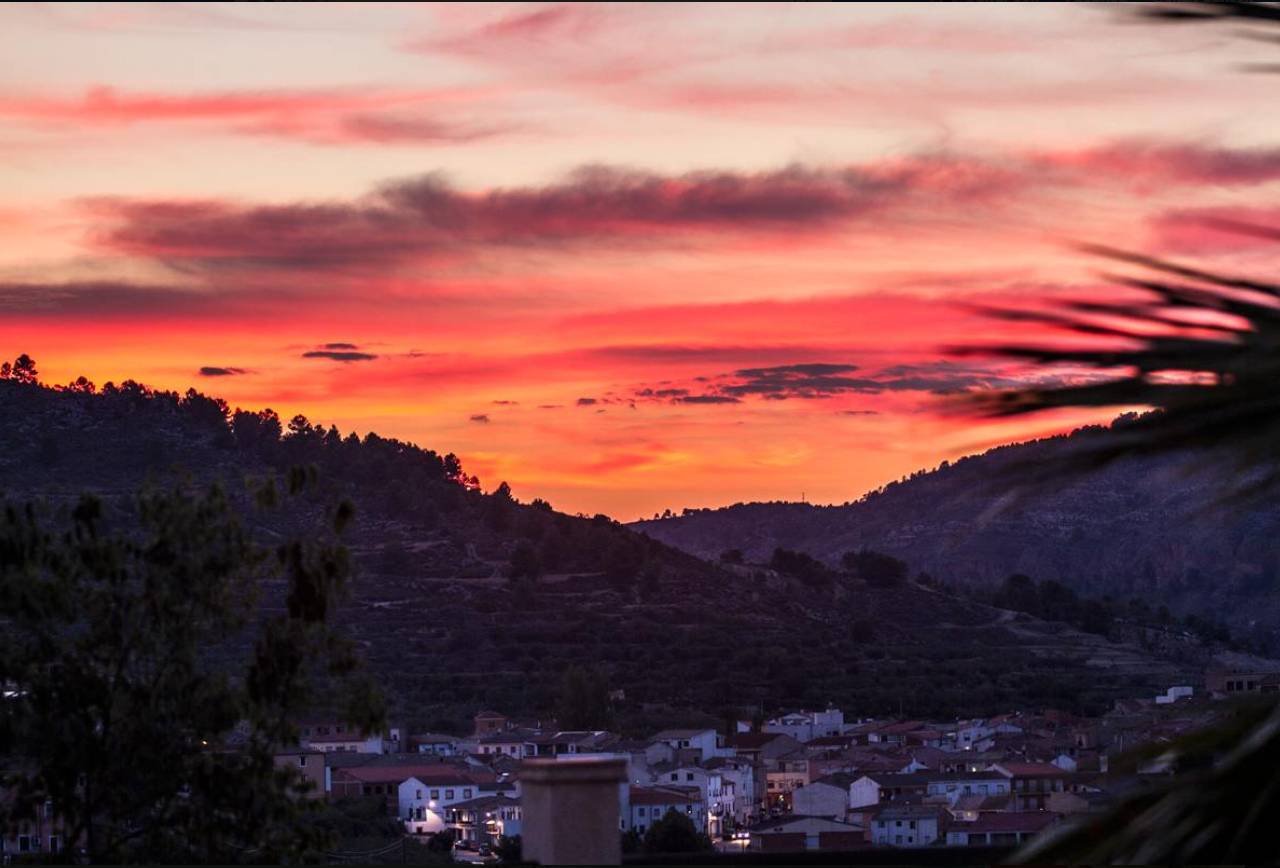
[(466, 599)]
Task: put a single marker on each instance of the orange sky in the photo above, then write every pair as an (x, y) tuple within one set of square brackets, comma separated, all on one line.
[(623, 257)]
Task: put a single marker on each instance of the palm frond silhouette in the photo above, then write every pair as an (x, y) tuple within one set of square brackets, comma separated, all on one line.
[(1202, 349)]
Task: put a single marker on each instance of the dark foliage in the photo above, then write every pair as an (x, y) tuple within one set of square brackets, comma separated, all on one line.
[(124, 638)]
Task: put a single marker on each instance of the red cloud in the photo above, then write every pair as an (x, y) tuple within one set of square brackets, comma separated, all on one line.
[(1145, 162), (324, 116)]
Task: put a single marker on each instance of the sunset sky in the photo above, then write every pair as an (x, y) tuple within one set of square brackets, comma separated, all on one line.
[(623, 257)]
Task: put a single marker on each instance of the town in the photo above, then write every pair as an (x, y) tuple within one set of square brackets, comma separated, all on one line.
[(804, 780)]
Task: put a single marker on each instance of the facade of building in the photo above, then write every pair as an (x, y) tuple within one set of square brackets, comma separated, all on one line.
[(906, 826)]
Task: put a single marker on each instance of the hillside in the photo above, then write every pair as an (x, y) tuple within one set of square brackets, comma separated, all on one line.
[(465, 599), (1150, 528)]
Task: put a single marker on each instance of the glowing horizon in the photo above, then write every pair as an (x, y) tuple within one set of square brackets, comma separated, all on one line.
[(624, 258)]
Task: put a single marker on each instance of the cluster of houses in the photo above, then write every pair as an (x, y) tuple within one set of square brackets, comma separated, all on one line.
[(806, 780)]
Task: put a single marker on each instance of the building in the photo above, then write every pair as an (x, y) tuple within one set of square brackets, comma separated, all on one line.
[(386, 777), (825, 797), (783, 777), (797, 834), (949, 787), (1221, 683), (39, 838), (485, 819), (804, 726), (1032, 783), (423, 805), (334, 736), (762, 747), (643, 806), (434, 743), (698, 744), (489, 722), (1173, 694), (746, 781), (877, 788), (907, 826), (311, 766), (996, 829)]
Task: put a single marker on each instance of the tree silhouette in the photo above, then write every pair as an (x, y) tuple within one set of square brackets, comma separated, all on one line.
[(123, 709)]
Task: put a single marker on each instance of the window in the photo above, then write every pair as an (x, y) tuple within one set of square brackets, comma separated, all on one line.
[(466, 794), (688, 776), (640, 811), (302, 762), (24, 843), (435, 794), (417, 794), (674, 776), (448, 794), (55, 844)]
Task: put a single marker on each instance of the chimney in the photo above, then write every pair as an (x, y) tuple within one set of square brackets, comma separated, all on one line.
[(571, 811)]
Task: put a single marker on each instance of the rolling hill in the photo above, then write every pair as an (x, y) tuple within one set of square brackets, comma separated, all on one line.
[(465, 599), (1156, 528)]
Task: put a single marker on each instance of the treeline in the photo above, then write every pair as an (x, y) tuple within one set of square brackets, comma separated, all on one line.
[(154, 429), (875, 568)]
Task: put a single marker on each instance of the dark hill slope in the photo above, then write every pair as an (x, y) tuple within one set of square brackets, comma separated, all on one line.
[(447, 631), (1151, 528)]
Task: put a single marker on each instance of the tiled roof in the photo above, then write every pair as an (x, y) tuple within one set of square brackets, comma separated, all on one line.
[(665, 795), (1011, 821)]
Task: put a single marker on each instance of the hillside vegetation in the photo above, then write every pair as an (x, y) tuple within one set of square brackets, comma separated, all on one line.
[(466, 599), (1156, 529)]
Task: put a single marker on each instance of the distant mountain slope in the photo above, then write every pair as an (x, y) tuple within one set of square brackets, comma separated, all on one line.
[(1148, 528), (447, 630)]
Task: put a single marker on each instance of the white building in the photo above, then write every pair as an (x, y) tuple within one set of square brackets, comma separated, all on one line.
[(705, 741), (743, 785), (825, 797), (422, 805), (643, 806), (1173, 694), (807, 725), (905, 826)]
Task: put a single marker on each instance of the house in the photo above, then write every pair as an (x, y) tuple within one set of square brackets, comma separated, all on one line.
[(784, 776), (485, 819), (1031, 783), (949, 787), (894, 733), (1173, 694), (825, 797), (310, 765), (511, 742), (829, 745), (556, 744), (434, 743), (796, 834), (423, 805), (385, 778), (762, 747), (331, 736), (39, 838), (645, 805), (747, 782), (997, 829), (907, 826), (877, 788), (702, 742), (489, 722), (804, 726), (708, 782)]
